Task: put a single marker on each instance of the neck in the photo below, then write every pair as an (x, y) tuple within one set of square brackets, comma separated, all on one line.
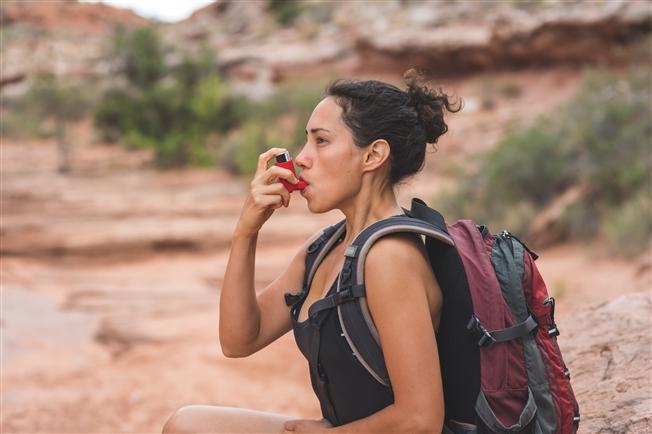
[(368, 207)]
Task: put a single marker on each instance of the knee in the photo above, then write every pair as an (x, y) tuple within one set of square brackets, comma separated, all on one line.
[(181, 421)]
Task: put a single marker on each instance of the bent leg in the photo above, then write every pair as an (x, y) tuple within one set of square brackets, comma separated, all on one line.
[(218, 419)]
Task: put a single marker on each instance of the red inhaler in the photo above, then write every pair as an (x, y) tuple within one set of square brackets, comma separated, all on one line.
[(285, 161)]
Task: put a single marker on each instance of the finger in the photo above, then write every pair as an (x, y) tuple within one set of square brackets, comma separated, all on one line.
[(266, 156), (275, 189), (280, 172), (264, 201)]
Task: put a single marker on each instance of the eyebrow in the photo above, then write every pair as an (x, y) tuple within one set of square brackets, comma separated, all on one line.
[(316, 130)]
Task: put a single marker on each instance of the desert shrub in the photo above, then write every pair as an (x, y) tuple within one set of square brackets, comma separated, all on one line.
[(175, 111), (46, 109), (141, 54), (284, 11), (115, 114), (172, 110), (600, 141), (628, 227)]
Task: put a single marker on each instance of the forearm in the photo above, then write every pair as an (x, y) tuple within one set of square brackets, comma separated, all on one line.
[(391, 419), (239, 313)]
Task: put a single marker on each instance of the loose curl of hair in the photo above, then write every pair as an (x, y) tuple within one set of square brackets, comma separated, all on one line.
[(408, 120)]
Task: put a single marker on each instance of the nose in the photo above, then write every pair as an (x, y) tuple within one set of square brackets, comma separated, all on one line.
[(301, 159)]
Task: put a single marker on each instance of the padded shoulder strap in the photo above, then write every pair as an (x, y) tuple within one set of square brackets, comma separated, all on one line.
[(314, 255), (319, 248), (359, 248), (355, 318), (423, 212)]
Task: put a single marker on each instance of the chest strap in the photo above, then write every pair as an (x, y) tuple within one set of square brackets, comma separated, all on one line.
[(349, 293)]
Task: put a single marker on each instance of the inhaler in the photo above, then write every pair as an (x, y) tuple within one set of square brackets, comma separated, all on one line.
[(285, 161)]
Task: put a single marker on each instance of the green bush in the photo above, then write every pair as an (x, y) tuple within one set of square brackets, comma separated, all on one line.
[(176, 110), (115, 114), (191, 71), (173, 116), (142, 56), (600, 141), (285, 11), (629, 226), (46, 108)]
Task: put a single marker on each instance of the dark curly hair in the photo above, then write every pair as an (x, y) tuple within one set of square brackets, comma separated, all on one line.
[(408, 120)]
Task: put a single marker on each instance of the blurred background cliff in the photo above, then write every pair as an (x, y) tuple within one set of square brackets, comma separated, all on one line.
[(128, 144)]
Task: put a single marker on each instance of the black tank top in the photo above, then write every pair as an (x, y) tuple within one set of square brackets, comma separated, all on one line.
[(353, 393)]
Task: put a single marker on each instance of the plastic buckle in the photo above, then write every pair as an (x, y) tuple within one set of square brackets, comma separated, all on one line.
[(342, 296), (474, 325), (486, 339), (315, 246), (351, 251), (291, 299), (552, 328)]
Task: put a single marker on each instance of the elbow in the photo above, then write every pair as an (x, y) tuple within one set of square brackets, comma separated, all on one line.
[(425, 424), (233, 352), (423, 421)]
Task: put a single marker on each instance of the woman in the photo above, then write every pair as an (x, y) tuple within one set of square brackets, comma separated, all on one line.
[(362, 139)]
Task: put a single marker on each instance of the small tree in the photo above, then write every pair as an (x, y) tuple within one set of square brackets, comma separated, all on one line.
[(141, 55), (62, 103)]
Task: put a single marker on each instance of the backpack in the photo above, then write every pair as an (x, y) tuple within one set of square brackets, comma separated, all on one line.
[(502, 370)]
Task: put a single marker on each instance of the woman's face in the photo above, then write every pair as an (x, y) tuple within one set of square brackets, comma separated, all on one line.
[(330, 161)]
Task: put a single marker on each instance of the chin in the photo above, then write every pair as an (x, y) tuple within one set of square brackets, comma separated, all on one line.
[(317, 208)]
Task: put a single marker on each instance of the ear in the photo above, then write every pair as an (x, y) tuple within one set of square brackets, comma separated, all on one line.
[(375, 155)]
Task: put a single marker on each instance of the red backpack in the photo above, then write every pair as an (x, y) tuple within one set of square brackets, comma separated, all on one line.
[(502, 369)]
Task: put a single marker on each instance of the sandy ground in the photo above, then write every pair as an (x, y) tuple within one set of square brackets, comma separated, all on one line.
[(111, 278)]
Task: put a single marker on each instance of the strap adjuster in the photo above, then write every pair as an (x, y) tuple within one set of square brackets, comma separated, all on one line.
[(553, 331), (503, 335), (351, 251), (474, 325), (291, 299), (342, 296)]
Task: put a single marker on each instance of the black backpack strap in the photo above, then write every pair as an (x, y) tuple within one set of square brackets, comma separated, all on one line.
[(316, 252), (355, 318), (343, 296), (423, 212)]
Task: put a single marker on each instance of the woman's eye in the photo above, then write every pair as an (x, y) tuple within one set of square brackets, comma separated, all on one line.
[(320, 140)]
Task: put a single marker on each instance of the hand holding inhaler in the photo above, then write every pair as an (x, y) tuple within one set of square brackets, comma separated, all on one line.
[(266, 194), (284, 160)]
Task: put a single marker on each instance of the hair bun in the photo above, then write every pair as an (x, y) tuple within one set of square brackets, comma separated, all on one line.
[(429, 104)]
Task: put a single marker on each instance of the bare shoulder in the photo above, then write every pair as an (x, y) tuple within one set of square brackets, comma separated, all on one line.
[(398, 272), (395, 250), (396, 258)]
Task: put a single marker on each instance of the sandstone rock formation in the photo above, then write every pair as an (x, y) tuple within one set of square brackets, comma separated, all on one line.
[(254, 51)]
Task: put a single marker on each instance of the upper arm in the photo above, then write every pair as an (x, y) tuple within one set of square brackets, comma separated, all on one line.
[(397, 277), (274, 313)]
